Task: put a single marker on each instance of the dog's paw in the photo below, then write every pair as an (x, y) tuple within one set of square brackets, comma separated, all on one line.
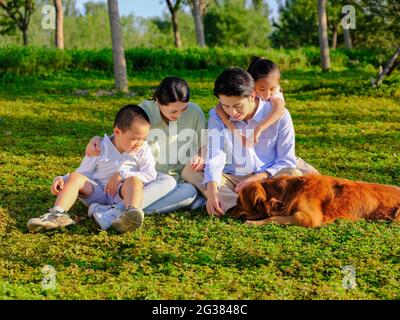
[(251, 222)]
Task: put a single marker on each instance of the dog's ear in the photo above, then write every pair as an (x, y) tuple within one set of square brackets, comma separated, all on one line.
[(282, 183), (250, 195), (275, 205), (256, 193), (250, 203)]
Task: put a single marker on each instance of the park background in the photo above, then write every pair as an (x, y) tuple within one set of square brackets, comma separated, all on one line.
[(57, 90)]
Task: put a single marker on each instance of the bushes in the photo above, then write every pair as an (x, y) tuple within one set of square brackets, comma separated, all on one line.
[(31, 61), (99, 60), (41, 61)]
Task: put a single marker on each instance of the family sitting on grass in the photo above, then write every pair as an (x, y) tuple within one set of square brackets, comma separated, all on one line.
[(157, 161)]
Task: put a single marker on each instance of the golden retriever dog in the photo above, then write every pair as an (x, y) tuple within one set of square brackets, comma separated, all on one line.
[(315, 200)]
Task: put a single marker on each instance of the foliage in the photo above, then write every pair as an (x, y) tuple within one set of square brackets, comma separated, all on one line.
[(232, 24), (16, 14), (377, 23), (297, 25), (42, 61), (343, 127), (91, 30)]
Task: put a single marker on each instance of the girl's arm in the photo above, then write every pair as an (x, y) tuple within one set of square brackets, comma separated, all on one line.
[(225, 119), (278, 109)]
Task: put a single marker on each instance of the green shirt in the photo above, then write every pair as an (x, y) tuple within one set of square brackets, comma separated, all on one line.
[(174, 144)]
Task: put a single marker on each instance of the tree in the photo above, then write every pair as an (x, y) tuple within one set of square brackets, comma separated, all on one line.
[(120, 75), (388, 11), (297, 25), (59, 36), (257, 4), (198, 8), (174, 9), (347, 38), (334, 17), (323, 36), (390, 65), (16, 14), (70, 8), (233, 23)]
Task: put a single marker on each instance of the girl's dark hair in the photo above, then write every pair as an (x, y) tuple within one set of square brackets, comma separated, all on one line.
[(172, 89), (261, 68), (234, 82), (127, 115)]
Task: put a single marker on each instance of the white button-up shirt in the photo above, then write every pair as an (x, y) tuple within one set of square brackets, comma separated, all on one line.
[(100, 169), (274, 151)]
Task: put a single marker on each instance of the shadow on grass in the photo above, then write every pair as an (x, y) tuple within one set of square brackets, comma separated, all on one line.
[(22, 205), (51, 137)]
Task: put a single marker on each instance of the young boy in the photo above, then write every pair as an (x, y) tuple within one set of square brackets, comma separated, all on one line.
[(117, 175)]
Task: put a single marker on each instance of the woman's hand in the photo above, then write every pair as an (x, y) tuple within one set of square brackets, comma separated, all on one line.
[(93, 147), (113, 183), (57, 186), (255, 178), (197, 163)]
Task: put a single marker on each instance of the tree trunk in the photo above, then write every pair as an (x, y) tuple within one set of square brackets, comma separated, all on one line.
[(347, 38), (121, 79), (394, 66), (334, 37), (198, 23), (59, 36), (177, 35), (25, 36), (173, 9), (387, 68), (323, 35)]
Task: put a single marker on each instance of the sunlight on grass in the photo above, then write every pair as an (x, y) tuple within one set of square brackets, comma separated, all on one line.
[(343, 127)]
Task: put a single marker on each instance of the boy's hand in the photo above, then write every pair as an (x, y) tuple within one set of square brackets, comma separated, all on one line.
[(57, 186), (93, 147), (197, 163), (113, 183)]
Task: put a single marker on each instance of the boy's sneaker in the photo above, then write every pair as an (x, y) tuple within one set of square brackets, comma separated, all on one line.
[(104, 214), (51, 220), (97, 207), (130, 220)]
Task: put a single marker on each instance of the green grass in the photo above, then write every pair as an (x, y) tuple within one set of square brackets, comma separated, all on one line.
[(343, 127)]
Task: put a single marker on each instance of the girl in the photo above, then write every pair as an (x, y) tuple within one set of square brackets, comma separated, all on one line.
[(266, 75)]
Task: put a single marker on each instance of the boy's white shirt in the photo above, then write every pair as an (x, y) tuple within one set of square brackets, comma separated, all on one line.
[(101, 168)]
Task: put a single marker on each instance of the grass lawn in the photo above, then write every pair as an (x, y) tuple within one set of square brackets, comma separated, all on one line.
[(343, 127)]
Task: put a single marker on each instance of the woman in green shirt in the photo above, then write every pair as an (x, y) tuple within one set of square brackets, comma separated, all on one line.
[(175, 139)]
